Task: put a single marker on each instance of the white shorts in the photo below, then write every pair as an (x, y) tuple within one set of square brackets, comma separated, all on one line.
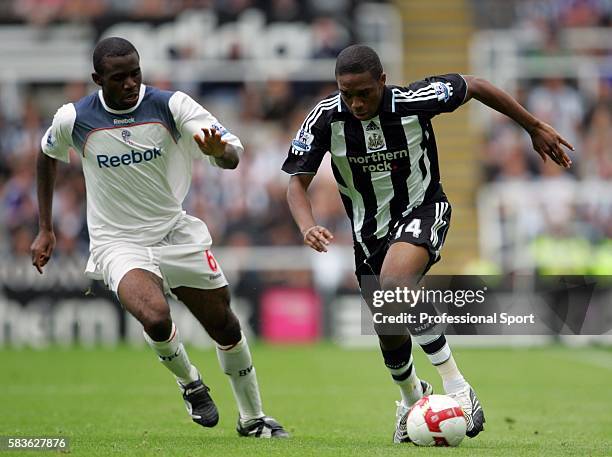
[(182, 258)]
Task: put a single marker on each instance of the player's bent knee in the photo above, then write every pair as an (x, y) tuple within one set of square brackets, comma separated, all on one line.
[(157, 323)]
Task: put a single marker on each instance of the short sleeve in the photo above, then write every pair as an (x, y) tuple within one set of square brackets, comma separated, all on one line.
[(310, 144), (57, 140), (432, 95), (190, 118)]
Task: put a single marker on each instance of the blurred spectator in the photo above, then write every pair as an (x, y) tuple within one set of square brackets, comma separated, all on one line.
[(597, 159), (329, 38), (284, 10), (558, 104), (39, 12)]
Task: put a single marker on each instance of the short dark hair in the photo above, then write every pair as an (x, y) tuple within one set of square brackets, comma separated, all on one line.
[(111, 47), (358, 58)]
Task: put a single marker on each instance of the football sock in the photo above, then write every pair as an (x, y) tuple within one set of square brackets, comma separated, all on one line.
[(399, 363), (173, 356), (439, 353), (435, 347), (236, 362), (452, 379)]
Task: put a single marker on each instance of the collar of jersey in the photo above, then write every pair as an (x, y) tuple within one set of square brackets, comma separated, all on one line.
[(141, 93)]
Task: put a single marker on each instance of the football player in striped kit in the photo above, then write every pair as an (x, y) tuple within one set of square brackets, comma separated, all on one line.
[(385, 162)]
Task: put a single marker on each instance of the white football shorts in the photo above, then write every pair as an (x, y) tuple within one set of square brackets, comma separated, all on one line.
[(182, 258)]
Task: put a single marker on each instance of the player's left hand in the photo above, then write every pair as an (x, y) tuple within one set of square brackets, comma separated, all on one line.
[(547, 142), (212, 144)]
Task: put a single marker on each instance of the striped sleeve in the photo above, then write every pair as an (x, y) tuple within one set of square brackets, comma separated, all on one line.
[(312, 140), (432, 95)]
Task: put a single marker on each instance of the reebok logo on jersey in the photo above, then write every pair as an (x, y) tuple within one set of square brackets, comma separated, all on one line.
[(133, 158), (129, 120)]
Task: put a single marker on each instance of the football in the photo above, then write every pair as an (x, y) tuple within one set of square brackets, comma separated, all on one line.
[(436, 420)]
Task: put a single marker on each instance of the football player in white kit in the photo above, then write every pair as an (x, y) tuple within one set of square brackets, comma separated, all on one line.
[(137, 144)]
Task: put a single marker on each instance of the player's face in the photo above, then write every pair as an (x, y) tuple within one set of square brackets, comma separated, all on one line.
[(120, 80), (362, 93)]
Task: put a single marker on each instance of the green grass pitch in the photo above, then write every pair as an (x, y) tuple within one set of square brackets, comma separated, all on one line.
[(550, 401)]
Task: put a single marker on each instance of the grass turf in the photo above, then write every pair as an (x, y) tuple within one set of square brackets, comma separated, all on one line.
[(550, 401)]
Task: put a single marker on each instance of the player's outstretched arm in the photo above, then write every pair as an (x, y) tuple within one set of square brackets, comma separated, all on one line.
[(226, 155), (315, 236), (546, 140), (44, 243)]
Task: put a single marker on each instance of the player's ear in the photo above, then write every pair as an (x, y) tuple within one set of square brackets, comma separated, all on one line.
[(383, 78), (96, 79)]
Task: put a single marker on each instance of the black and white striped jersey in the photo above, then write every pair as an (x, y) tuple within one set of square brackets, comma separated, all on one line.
[(387, 165)]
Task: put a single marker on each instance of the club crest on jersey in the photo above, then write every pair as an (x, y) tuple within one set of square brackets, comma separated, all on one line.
[(302, 142), (126, 134), (375, 142), (442, 91), (374, 138)]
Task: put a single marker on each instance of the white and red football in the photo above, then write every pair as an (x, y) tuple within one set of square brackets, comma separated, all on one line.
[(436, 420)]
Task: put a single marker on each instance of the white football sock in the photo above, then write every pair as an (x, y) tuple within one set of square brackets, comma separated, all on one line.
[(410, 387), (173, 356), (236, 362), (452, 379), (438, 351)]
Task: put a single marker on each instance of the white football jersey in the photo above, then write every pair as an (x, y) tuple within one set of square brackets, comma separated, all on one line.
[(136, 162)]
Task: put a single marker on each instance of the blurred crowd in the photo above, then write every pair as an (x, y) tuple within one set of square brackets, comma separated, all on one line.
[(247, 206), (583, 116), (496, 14), (331, 19), (583, 121)]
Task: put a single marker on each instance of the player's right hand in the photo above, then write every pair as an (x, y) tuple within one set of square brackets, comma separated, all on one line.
[(42, 248), (318, 238)]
